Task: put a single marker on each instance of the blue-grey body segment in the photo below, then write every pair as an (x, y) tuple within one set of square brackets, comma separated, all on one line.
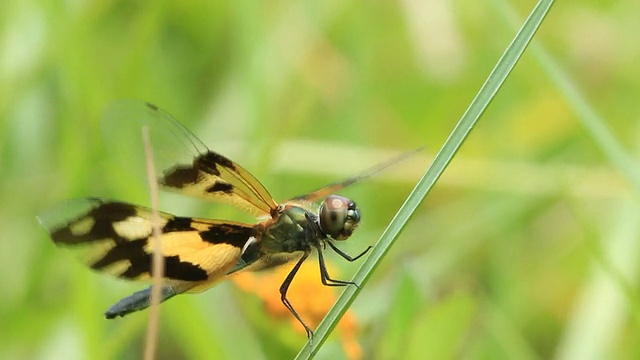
[(137, 301)]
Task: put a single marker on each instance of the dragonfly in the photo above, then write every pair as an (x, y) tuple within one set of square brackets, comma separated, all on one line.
[(116, 237)]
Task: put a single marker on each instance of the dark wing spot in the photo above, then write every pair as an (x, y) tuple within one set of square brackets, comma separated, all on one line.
[(211, 159), (227, 234), (182, 270), (113, 211), (104, 215), (101, 230), (180, 176), (178, 224), (220, 186), (207, 164), (133, 252), (173, 269)]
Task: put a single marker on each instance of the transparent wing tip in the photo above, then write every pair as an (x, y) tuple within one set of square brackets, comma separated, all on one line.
[(64, 213)]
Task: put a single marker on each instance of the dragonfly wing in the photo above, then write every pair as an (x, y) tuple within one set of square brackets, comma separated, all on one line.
[(115, 237), (188, 166), (337, 186)]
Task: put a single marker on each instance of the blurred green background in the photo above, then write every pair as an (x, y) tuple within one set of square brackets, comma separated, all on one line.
[(527, 248)]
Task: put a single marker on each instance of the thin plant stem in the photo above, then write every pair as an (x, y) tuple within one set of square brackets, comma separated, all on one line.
[(157, 263)]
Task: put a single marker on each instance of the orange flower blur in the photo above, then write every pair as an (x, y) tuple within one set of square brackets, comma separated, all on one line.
[(312, 309)]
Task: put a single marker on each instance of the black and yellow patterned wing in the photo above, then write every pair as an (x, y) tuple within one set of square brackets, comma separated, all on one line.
[(187, 165), (115, 237)]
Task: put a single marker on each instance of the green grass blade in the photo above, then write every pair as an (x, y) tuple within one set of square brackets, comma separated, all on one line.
[(441, 161), (595, 126)]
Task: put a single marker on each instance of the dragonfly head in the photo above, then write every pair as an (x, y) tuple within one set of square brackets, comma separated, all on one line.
[(339, 216)]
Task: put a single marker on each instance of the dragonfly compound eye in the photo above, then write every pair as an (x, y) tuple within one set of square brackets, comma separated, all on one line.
[(339, 216)]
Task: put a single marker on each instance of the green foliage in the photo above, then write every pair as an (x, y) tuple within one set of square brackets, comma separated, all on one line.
[(526, 248)]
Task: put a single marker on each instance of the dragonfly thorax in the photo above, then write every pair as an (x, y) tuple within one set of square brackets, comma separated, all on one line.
[(338, 217)]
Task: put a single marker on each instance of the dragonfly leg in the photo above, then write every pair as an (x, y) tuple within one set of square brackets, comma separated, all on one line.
[(345, 255), (283, 295), (326, 278)]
